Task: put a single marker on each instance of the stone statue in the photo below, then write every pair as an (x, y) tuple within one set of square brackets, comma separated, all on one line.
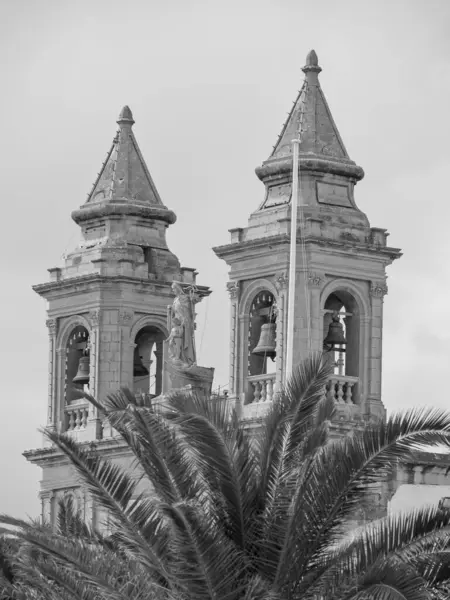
[(181, 342)]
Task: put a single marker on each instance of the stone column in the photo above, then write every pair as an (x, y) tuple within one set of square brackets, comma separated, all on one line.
[(46, 506), (377, 292), (159, 355), (364, 373), (242, 357), (94, 424), (233, 290), (281, 284), (52, 325), (60, 389), (315, 284), (126, 349)]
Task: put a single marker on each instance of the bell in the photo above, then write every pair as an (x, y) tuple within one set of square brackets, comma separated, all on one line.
[(139, 369), (335, 335), (82, 375), (266, 345)]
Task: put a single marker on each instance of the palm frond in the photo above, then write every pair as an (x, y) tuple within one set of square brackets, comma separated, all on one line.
[(114, 490), (341, 473), (205, 561), (224, 457)]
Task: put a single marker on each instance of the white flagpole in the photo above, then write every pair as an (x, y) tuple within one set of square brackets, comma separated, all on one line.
[(292, 261)]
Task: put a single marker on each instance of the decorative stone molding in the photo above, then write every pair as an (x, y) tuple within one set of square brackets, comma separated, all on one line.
[(125, 317), (315, 279), (95, 317), (281, 281), (52, 325), (378, 289), (233, 288)]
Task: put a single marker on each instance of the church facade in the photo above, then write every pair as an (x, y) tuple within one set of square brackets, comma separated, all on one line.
[(108, 304)]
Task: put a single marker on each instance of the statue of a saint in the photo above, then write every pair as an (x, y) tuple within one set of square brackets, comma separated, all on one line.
[(181, 342)]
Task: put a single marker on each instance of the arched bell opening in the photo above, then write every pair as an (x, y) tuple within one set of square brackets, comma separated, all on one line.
[(341, 330), (262, 334), (148, 361), (77, 363), (262, 346)]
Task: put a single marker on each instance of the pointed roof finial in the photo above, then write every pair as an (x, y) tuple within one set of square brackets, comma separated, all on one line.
[(312, 63), (126, 116), (124, 185)]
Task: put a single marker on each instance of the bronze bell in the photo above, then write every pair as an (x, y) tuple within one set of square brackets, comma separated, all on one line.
[(335, 335), (82, 376), (139, 369), (266, 344)]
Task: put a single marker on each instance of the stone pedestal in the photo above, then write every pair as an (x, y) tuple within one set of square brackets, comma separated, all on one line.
[(199, 379)]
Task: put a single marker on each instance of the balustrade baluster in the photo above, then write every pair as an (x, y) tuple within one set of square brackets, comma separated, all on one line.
[(269, 390), (71, 423), (340, 392), (262, 387), (332, 390), (341, 389), (263, 384), (348, 393), (257, 392)]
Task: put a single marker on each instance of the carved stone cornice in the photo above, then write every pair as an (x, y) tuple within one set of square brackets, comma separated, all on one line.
[(233, 288), (378, 289), (281, 281), (315, 279), (125, 317), (52, 325), (95, 317)]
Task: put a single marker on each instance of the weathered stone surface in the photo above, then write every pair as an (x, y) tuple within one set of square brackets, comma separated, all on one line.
[(117, 286)]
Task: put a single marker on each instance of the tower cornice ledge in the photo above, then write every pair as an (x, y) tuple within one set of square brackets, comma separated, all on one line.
[(145, 285), (279, 167), (228, 250), (116, 208), (51, 454), (427, 459)]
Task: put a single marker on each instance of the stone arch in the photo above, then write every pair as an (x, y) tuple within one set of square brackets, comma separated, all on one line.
[(67, 328), (259, 285), (349, 286), (352, 363), (146, 369), (60, 375), (148, 321), (247, 337)]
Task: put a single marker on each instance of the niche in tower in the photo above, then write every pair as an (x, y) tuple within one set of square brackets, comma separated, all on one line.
[(262, 334), (344, 305), (148, 361), (77, 363)]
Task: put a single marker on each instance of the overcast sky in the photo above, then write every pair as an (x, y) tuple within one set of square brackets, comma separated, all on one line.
[(209, 84)]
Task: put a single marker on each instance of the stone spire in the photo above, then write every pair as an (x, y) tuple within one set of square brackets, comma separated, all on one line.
[(124, 184), (321, 147)]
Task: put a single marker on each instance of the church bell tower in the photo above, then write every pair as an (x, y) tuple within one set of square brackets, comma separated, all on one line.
[(340, 274), (107, 311)]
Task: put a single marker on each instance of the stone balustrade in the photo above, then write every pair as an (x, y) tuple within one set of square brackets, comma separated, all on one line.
[(76, 416), (341, 388), (262, 387)]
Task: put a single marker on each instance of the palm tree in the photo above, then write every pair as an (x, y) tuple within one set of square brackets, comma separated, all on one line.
[(35, 561), (218, 514)]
